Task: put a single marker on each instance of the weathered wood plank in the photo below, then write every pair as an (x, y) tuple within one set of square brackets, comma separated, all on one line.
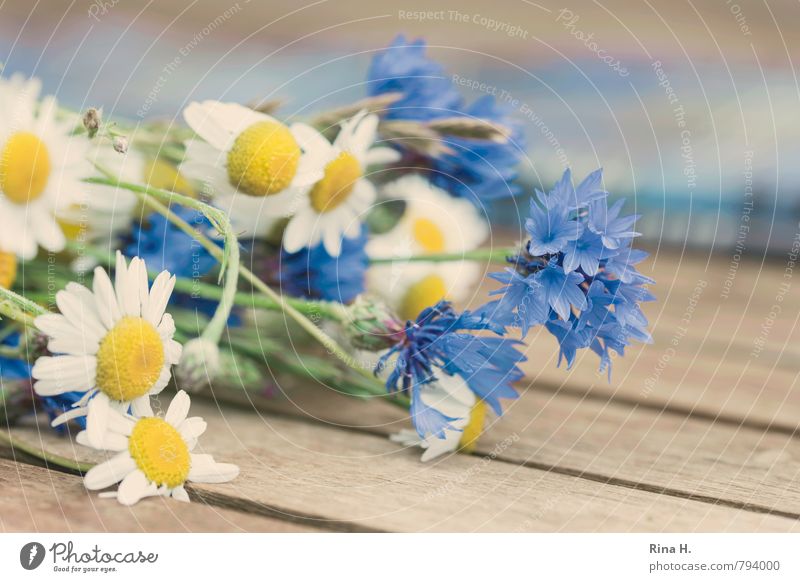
[(600, 440), (332, 476), (37, 500)]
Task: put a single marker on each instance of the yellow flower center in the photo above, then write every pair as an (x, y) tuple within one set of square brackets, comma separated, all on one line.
[(428, 235), (130, 359), (160, 452), (263, 159), (8, 270), (336, 185), (24, 168), (469, 438), (424, 293)]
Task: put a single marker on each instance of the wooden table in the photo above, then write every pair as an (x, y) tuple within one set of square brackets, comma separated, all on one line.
[(693, 433)]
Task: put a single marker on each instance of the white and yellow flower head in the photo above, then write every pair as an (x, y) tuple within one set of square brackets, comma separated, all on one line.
[(335, 205), (41, 167), (154, 455), (252, 164), (113, 343), (452, 397), (433, 222)]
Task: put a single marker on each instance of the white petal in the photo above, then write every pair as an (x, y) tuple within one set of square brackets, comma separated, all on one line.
[(107, 307), (180, 494), (178, 409), (121, 282), (48, 232), (65, 338), (69, 415), (309, 138), (112, 471), (172, 351), (332, 239), (111, 442), (75, 308), (134, 487), (382, 155), (167, 326), (97, 420), (364, 134), (163, 380), (192, 428), (59, 374), (159, 297), (199, 116), (141, 406), (205, 470), (296, 235)]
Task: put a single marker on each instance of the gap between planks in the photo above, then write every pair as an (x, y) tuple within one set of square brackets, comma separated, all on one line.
[(367, 482)]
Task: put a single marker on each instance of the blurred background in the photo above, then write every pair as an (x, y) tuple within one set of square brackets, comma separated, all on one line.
[(691, 107)]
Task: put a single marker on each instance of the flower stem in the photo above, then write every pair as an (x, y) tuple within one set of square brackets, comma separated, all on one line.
[(229, 258), (48, 458), (310, 308), (315, 368), (18, 308), (220, 221), (498, 255)]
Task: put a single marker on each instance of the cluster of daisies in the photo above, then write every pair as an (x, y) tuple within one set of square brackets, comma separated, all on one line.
[(372, 214)]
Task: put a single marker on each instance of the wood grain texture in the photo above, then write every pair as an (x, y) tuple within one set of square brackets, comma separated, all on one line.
[(601, 440), (37, 500), (357, 482)]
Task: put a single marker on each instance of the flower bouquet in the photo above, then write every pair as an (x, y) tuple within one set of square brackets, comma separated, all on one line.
[(135, 257)]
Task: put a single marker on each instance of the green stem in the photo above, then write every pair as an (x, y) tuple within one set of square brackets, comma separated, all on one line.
[(220, 222), (229, 258), (315, 368), (48, 458), (310, 308), (19, 308), (498, 255)]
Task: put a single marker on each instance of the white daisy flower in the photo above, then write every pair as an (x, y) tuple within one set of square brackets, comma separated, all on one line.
[(114, 344), (333, 207), (252, 164), (154, 455), (433, 222), (41, 167), (452, 397)]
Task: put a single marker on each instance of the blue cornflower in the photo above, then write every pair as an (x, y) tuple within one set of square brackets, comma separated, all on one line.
[(477, 169), (428, 92), (550, 228), (313, 273), (585, 289), (597, 314), (621, 264), (521, 301), (561, 289), (606, 222), (437, 341), (584, 253), (570, 339), (165, 247), (13, 368)]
